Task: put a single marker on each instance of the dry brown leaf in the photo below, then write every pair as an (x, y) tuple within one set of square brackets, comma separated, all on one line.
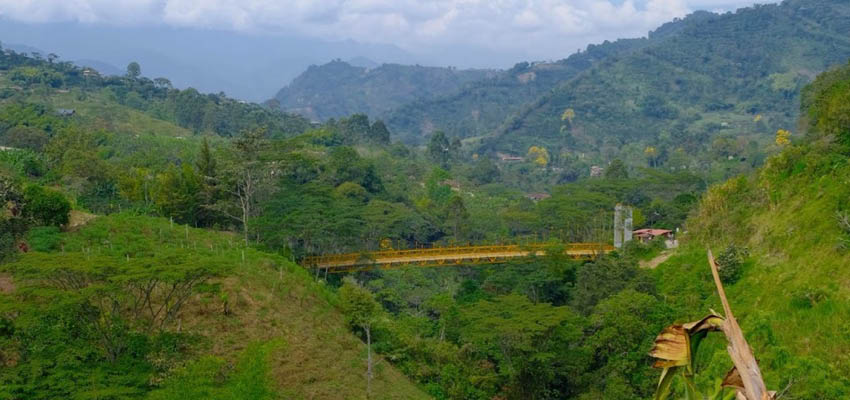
[(733, 379), (672, 347)]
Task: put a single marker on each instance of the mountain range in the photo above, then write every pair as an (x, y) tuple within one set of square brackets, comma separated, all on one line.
[(733, 76)]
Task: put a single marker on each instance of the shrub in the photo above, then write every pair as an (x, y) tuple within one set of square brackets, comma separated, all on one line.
[(45, 207), (730, 263)]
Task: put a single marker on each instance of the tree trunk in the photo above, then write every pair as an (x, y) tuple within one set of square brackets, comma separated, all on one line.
[(368, 330)]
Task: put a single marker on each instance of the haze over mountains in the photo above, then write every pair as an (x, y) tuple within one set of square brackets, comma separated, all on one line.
[(246, 66)]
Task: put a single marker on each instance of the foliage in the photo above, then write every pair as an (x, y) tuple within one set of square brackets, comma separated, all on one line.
[(212, 378), (730, 263), (783, 137), (44, 206), (538, 155), (791, 235)]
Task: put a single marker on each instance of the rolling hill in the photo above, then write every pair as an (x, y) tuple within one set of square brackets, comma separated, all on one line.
[(735, 74), (338, 89)]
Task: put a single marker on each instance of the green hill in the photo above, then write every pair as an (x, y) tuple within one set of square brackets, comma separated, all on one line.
[(479, 108), (338, 89), (244, 304), (734, 76), (792, 294)]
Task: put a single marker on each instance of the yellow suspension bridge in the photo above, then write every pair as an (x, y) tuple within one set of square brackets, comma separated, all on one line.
[(446, 256)]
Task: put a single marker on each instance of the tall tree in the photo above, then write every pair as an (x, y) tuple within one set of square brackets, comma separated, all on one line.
[(378, 133), (360, 310), (134, 70), (243, 178), (439, 149), (206, 163)]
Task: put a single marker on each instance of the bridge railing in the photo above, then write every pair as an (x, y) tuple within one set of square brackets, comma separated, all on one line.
[(369, 257)]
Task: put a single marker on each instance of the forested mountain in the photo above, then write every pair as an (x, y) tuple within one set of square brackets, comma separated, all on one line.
[(338, 88), (481, 107), (731, 77), (709, 84)]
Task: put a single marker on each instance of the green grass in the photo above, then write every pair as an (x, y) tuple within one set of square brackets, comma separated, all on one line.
[(270, 300), (793, 299), (96, 110)]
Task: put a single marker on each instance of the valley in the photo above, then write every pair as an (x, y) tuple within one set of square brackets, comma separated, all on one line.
[(389, 231)]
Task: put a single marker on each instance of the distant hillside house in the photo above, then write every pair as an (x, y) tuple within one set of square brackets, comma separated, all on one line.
[(65, 112), (646, 235), (535, 197), (596, 171), (509, 158), (455, 185)]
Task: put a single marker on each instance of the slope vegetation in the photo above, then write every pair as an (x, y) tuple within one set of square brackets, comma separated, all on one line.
[(793, 291), (252, 299)]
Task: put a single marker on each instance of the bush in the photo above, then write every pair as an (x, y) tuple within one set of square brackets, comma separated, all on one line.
[(45, 207), (730, 263)]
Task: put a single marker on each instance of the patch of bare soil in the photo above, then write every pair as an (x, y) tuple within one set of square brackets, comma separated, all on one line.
[(651, 264), (77, 219), (7, 284)]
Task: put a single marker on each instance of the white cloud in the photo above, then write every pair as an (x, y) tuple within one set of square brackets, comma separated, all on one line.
[(534, 27)]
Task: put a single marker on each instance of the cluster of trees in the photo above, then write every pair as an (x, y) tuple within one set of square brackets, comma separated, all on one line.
[(538, 329)]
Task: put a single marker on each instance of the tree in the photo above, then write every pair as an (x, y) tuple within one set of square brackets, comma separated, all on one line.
[(360, 309), (526, 341), (379, 133), (456, 215), (206, 163), (538, 155), (617, 170), (439, 150), (484, 171), (178, 192), (134, 70), (45, 207), (568, 115), (162, 83), (783, 137), (243, 178), (12, 226), (651, 154)]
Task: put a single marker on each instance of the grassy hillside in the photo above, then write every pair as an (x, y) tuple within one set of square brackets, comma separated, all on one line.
[(338, 89), (269, 302), (733, 76), (793, 295)]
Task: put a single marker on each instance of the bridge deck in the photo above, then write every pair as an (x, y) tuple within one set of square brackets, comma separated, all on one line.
[(444, 256)]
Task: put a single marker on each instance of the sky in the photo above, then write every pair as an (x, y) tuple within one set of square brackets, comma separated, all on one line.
[(458, 32)]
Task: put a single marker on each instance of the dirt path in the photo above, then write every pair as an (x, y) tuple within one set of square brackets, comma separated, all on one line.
[(651, 264)]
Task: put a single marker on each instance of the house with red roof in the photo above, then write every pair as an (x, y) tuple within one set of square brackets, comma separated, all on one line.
[(646, 235)]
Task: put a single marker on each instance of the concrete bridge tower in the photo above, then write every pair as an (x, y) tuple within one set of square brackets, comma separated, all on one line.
[(622, 225)]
